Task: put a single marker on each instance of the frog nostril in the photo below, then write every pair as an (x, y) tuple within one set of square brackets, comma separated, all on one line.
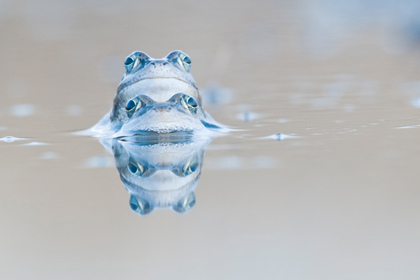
[(159, 62)]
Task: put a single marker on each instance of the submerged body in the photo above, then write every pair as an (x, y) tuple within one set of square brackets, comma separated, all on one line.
[(156, 95)]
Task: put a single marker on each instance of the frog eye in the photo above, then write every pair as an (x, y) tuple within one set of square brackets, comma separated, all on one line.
[(136, 169), (184, 61), (131, 62), (190, 103), (132, 106), (135, 59)]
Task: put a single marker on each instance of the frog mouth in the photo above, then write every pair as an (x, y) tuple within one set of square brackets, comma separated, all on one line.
[(160, 128), (123, 86)]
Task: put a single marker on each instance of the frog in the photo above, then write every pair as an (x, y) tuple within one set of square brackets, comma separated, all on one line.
[(157, 96)]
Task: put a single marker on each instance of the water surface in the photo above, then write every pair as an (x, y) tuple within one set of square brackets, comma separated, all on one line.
[(319, 181)]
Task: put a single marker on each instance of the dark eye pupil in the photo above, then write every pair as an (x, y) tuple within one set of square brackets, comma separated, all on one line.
[(193, 167), (191, 102), (187, 60), (133, 168), (130, 105), (128, 61)]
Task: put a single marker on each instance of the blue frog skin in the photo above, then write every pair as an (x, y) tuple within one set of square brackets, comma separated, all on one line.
[(156, 96), (159, 173)]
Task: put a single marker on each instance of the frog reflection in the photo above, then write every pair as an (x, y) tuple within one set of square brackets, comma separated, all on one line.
[(159, 173)]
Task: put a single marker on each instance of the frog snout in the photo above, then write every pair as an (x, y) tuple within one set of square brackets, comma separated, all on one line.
[(162, 108), (159, 62)]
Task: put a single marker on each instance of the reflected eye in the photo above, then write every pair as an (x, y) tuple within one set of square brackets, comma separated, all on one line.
[(185, 204), (132, 106), (184, 61), (190, 103), (140, 205), (190, 167)]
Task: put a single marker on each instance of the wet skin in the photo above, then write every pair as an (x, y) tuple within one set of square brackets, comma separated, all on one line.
[(157, 95)]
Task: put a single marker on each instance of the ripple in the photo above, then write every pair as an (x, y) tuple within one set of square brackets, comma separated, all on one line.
[(9, 139), (280, 136), (408, 126), (35, 144)]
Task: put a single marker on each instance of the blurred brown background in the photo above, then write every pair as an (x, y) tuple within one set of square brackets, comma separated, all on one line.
[(337, 201)]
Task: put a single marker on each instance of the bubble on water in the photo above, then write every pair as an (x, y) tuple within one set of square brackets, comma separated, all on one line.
[(9, 139), (22, 110)]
